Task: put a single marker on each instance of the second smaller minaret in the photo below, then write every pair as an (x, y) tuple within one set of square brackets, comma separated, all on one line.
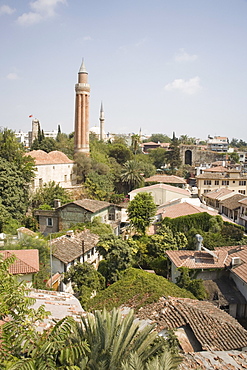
[(102, 122)]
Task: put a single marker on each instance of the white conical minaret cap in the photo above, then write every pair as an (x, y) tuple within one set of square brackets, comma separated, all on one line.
[(102, 114), (82, 68)]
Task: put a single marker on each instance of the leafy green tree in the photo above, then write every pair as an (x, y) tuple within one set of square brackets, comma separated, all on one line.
[(85, 279), (15, 303), (195, 286), (99, 187), (136, 288), (47, 144), (65, 144), (173, 155), (185, 139), (158, 157), (159, 243), (131, 174), (83, 166), (14, 153), (141, 211), (120, 152), (234, 157), (30, 242), (158, 138), (13, 189), (117, 254), (48, 193)]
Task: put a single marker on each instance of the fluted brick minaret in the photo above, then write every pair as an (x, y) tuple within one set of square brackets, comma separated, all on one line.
[(82, 89)]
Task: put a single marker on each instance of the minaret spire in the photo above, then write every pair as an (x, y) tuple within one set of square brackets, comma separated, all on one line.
[(102, 122), (82, 89), (83, 68)]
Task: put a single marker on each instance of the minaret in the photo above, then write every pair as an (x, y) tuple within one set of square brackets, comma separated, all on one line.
[(102, 122), (82, 89)]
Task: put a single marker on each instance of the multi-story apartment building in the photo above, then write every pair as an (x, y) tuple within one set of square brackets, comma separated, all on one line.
[(231, 179), (218, 144)]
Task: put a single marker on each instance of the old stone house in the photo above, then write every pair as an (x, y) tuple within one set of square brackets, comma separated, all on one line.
[(54, 166), (71, 248), (79, 211)]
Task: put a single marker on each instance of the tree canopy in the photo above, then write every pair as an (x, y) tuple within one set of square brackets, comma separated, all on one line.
[(141, 211)]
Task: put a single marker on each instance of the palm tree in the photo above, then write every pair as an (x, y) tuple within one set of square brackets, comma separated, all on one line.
[(103, 341), (114, 341), (135, 142), (131, 174), (166, 361)]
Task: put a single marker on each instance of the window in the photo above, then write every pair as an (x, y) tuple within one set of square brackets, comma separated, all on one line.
[(40, 182), (216, 182), (111, 216), (49, 221), (225, 182), (65, 178), (207, 182), (242, 191), (242, 183)]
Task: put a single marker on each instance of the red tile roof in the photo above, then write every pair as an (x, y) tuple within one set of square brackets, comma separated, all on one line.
[(68, 248), (166, 179), (198, 259), (218, 193), (233, 201), (90, 205), (216, 169), (203, 260), (183, 209), (214, 329), (54, 157), (27, 260), (237, 251), (164, 187), (243, 201)]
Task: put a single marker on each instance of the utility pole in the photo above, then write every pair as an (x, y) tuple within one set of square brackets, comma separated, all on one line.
[(83, 250), (51, 260)]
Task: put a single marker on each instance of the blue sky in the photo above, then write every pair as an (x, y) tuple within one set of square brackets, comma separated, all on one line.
[(158, 65)]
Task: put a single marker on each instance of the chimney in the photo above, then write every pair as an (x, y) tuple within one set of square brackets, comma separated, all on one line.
[(199, 240), (57, 203)]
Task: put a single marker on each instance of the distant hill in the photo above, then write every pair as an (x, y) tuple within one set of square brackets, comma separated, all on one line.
[(136, 288)]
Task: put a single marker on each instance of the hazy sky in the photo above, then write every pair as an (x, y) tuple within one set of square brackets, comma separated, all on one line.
[(158, 65)]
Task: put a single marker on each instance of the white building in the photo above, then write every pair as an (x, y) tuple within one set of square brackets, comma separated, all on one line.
[(53, 166)]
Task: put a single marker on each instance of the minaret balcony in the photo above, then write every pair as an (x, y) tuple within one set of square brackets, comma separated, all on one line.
[(82, 87)]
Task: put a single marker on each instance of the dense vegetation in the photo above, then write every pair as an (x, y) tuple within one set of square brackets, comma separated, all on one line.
[(136, 288), (103, 341), (215, 231)]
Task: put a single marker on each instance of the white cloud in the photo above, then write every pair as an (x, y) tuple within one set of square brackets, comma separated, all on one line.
[(12, 76), (141, 42), (189, 87), (5, 9), (41, 10), (87, 38), (182, 56)]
